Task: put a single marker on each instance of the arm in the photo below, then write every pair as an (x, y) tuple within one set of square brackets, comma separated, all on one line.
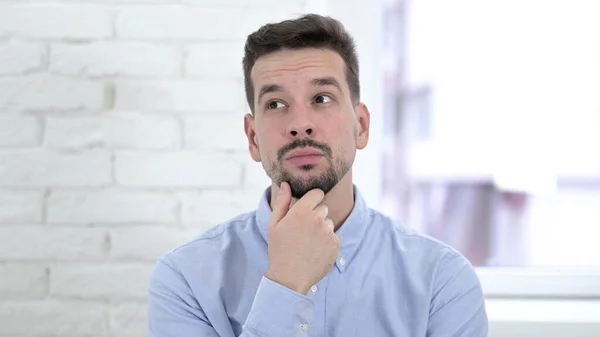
[(174, 311), (457, 306)]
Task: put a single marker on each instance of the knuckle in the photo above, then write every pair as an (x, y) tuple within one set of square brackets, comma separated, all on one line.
[(297, 216), (322, 212), (336, 242), (317, 219), (330, 224)]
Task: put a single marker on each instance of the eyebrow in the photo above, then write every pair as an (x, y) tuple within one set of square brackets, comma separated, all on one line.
[(268, 88), (318, 82), (326, 81)]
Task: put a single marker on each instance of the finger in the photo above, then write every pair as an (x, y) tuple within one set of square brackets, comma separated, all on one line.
[(281, 204), (322, 210), (330, 224), (310, 200)]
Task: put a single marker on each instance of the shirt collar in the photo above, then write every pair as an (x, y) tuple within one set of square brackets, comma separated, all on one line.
[(350, 233)]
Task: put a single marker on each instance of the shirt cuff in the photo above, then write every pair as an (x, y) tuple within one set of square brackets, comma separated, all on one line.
[(279, 311)]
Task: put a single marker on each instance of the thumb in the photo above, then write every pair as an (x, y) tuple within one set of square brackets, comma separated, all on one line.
[(282, 204)]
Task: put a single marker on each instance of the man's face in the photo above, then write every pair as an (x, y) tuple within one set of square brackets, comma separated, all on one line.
[(305, 129)]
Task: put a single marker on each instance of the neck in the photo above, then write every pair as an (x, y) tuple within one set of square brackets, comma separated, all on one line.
[(339, 201)]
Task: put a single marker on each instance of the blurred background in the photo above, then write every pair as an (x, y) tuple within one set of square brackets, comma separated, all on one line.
[(121, 137)]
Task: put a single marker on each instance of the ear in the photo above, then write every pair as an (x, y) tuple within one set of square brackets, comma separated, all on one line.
[(252, 138), (363, 118)]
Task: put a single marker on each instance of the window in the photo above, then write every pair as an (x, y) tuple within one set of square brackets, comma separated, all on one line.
[(493, 128)]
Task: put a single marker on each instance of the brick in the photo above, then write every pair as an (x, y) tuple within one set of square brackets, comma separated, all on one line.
[(114, 281), (18, 57), (115, 58), (176, 169), (210, 207), (213, 96), (155, 240), (52, 318), (117, 2), (55, 21), (216, 59), (128, 319), (21, 206), (42, 243), (200, 132), (140, 1), (163, 22), (23, 281), (19, 131), (111, 206), (44, 168), (291, 6), (114, 130), (198, 22), (43, 92)]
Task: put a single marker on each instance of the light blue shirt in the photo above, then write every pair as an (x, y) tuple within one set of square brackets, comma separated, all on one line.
[(388, 280)]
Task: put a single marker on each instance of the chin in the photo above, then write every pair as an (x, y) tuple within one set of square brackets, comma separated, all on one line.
[(308, 168)]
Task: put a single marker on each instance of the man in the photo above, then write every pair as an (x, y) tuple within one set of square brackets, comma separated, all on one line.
[(312, 260)]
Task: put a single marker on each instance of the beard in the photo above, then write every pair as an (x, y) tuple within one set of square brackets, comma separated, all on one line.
[(299, 186)]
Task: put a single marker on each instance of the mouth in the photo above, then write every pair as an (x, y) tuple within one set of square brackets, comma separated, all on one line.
[(305, 157)]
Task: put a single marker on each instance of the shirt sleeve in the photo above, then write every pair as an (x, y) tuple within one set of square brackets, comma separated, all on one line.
[(173, 311), (458, 305), (280, 311)]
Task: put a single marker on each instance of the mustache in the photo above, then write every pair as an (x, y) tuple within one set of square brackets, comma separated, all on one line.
[(305, 142)]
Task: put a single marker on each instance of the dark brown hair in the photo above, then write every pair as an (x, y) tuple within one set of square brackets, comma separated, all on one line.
[(307, 31)]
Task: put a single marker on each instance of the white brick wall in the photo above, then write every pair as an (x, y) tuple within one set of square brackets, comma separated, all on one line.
[(121, 130), (24, 132), (21, 206), (18, 57), (43, 92), (116, 59), (53, 317), (200, 96), (61, 22), (121, 137)]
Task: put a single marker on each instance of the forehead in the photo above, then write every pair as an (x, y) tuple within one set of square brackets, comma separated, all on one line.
[(293, 65)]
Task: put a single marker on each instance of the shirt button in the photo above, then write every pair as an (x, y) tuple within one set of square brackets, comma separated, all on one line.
[(342, 261), (314, 289), (304, 327)]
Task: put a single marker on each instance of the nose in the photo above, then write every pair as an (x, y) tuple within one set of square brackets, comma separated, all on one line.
[(301, 125)]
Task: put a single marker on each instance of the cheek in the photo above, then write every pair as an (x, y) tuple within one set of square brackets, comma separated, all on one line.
[(341, 131), (268, 143), (348, 138)]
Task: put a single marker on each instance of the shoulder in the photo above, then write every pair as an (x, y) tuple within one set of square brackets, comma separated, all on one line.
[(446, 271), (200, 261), (214, 240), (418, 250), (410, 239)]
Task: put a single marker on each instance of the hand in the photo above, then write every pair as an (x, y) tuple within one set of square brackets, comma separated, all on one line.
[(302, 243)]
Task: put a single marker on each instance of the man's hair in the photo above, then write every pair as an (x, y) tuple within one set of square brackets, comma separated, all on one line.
[(307, 31)]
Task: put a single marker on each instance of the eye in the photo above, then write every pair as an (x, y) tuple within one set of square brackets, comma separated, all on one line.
[(322, 99), (275, 105)]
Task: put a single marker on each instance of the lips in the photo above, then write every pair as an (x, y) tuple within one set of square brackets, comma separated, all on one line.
[(305, 157), (304, 153)]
